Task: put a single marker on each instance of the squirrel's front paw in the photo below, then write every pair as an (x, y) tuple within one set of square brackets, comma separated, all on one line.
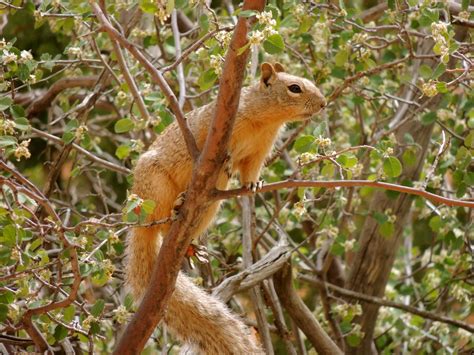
[(177, 205), (254, 186)]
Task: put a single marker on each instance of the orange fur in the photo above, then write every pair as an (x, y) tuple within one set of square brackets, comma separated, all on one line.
[(164, 171)]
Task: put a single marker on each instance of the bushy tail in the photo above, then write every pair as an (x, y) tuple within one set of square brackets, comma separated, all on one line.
[(192, 316), (142, 249), (196, 317)]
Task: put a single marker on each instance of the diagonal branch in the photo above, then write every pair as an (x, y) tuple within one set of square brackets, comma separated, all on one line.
[(301, 314)]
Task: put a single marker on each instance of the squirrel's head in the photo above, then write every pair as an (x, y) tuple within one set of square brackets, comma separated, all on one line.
[(298, 97)]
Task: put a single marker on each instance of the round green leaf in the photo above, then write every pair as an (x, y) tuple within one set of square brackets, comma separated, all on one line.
[(392, 167), (124, 125), (303, 143), (5, 103), (274, 44)]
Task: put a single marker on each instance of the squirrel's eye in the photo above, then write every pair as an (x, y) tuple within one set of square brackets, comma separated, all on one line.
[(295, 88)]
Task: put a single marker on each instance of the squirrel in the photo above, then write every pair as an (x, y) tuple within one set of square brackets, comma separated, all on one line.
[(163, 173)]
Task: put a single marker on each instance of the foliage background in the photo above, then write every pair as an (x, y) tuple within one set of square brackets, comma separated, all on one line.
[(399, 79)]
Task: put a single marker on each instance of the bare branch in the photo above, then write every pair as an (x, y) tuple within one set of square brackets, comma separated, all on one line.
[(332, 184), (301, 314), (156, 76), (381, 302)]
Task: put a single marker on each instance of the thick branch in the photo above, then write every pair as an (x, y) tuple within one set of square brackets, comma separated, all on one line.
[(60, 85), (301, 314), (254, 274)]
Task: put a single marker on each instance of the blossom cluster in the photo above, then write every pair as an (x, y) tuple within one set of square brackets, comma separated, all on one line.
[(264, 19)]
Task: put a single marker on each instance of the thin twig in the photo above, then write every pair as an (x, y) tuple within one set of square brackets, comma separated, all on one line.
[(385, 303)]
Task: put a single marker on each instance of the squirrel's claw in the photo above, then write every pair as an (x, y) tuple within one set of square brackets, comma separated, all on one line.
[(254, 186), (177, 204)]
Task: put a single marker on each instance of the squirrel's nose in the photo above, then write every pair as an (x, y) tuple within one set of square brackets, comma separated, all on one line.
[(323, 104)]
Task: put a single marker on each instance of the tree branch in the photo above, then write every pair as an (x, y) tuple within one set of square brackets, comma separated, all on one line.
[(381, 302), (332, 184), (301, 314), (156, 76)]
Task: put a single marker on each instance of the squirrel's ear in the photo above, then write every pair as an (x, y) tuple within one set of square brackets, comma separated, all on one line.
[(267, 72), (279, 68)]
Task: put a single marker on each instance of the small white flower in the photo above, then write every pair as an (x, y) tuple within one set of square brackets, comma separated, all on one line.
[(256, 37), (8, 57), (25, 56), (22, 150), (121, 314), (74, 51)]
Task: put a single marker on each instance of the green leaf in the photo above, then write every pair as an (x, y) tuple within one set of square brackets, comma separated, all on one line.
[(124, 125), (387, 229), (207, 79), (380, 217), (440, 69), (469, 140), (442, 88), (274, 44), (97, 308), (3, 312), (7, 297), (428, 118), (353, 340), (392, 167), (148, 6), (328, 170), (22, 124), (17, 111), (465, 4), (95, 328), (243, 49), (68, 313), (72, 125), (9, 235), (68, 137), (123, 151), (169, 6), (204, 23), (409, 157), (425, 71), (5, 103), (303, 143), (247, 13), (435, 223), (60, 332), (337, 249), (149, 206), (341, 57), (347, 160), (6, 141)]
